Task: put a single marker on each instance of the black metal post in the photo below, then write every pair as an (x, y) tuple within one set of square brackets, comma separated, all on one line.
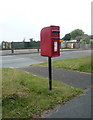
[(50, 73), (12, 50)]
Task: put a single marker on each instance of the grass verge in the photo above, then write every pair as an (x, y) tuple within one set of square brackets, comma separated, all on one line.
[(83, 64), (26, 96)]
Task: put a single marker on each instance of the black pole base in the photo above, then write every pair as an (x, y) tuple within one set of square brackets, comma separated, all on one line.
[(50, 73)]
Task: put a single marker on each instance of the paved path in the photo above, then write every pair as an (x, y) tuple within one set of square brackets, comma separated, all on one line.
[(18, 51), (72, 78), (26, 51), (79, 107)]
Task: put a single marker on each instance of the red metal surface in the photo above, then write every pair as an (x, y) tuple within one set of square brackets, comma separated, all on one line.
[(50, 41)]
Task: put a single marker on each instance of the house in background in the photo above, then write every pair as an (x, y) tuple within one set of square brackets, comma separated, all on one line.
[(75, 43), (78, 38), (70, 44), (86, 45)]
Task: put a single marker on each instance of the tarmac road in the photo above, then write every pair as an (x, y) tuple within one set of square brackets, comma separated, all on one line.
[(22, 60)]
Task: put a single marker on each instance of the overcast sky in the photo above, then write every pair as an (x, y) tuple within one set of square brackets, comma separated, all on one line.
[(21, 19)]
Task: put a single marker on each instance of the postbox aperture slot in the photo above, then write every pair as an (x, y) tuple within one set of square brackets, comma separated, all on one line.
[(55, 31), (55, 38)]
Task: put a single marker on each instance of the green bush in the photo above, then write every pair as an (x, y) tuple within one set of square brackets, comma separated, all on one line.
[(85, 41)]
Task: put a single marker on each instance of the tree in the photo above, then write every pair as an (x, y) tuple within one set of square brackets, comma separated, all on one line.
[(76, 33), (85, 41), (31, 39), (86, 35), (67, 37)]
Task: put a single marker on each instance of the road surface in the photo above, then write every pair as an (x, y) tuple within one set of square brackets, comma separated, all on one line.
[(23, 60)]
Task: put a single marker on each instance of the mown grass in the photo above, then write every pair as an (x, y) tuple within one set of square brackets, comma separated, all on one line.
[(26, 96), (83, 64)]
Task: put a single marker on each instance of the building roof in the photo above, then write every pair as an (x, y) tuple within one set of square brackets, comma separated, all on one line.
[(80, 37)]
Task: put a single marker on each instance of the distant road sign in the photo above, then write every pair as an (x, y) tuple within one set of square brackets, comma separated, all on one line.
[(61, 40)]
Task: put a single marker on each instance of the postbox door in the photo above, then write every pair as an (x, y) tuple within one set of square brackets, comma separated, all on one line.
[(55, 41)]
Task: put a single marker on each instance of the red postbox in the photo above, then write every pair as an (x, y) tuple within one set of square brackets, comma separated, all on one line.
[(50, 41)]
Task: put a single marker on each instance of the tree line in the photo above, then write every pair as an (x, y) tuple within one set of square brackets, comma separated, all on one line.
[(77, 34), (74, 34)]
